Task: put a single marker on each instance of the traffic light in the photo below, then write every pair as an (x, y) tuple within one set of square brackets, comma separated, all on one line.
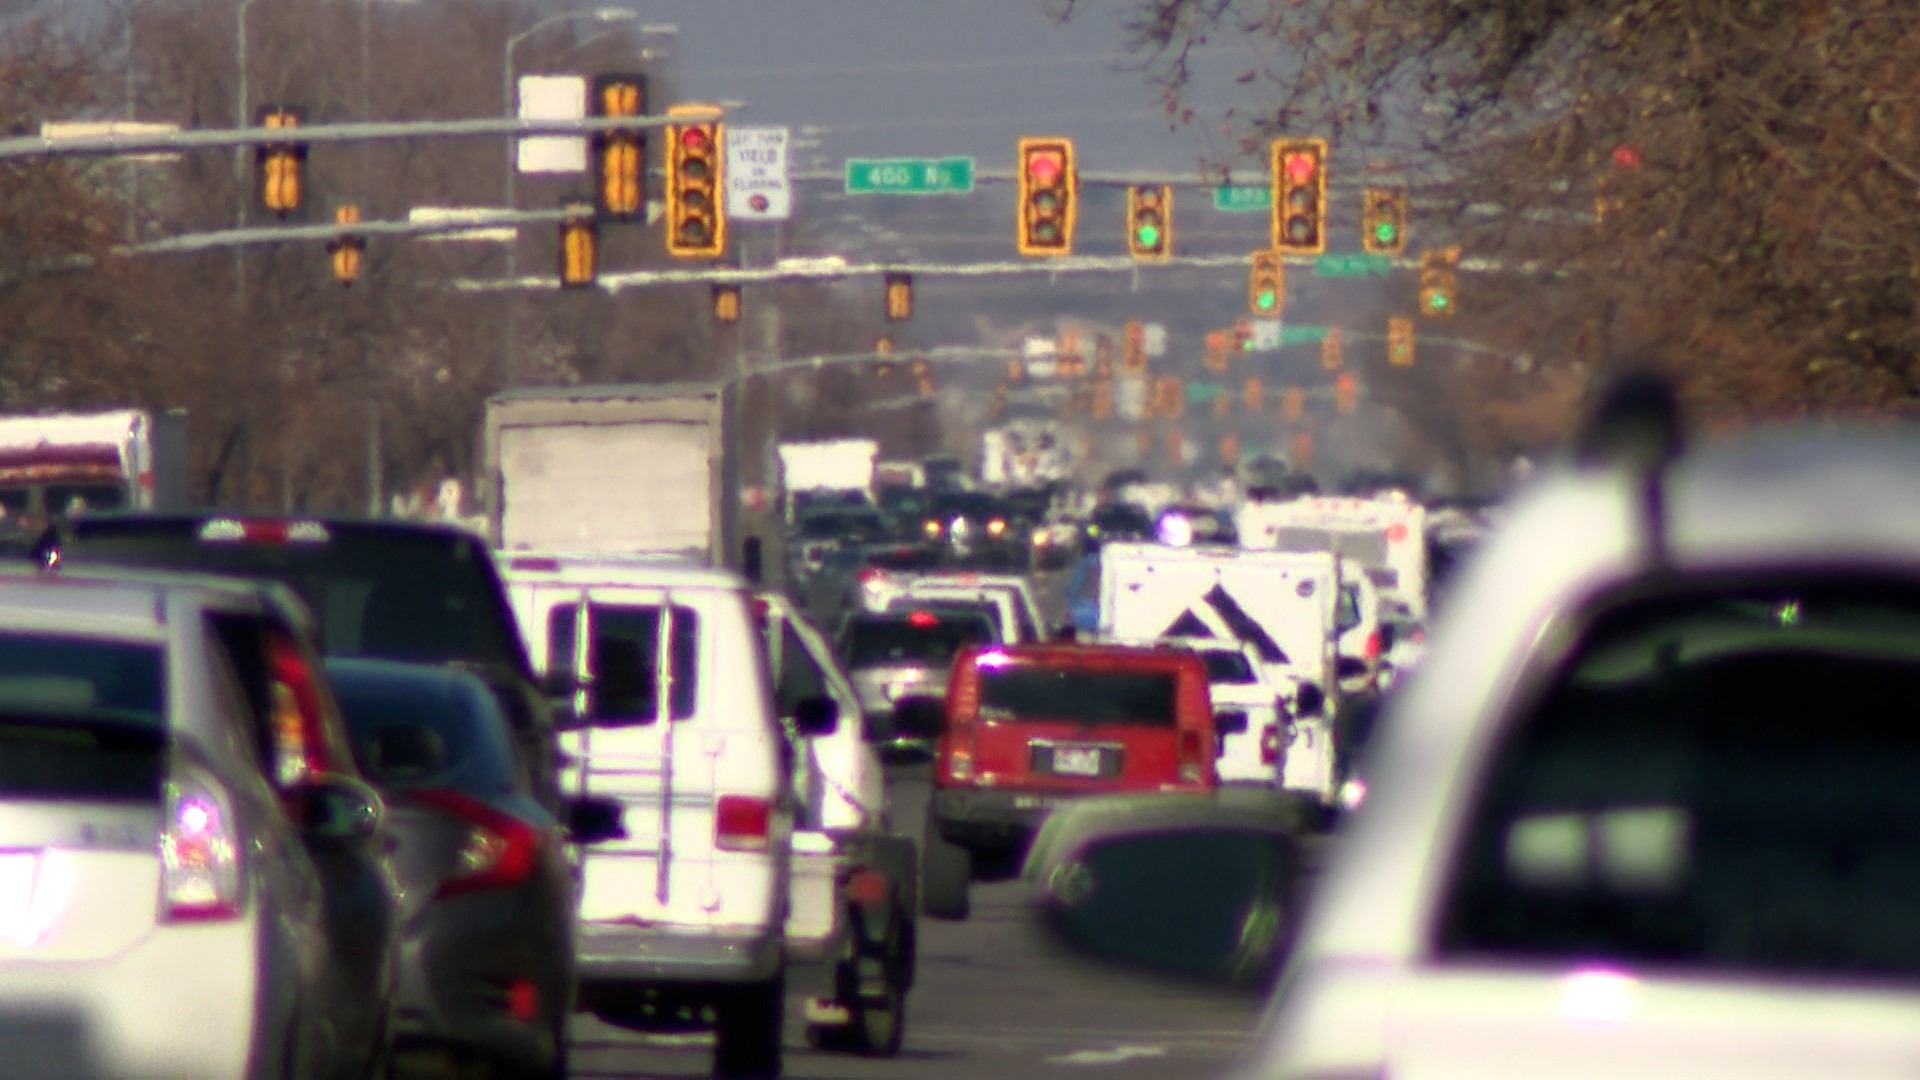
[(1016, 370), (620, 157), (281, 166), (1170, 397), (1346, 393), (579, 247), (1256, 394), (1302, 451), (726, 303), (1230, 449), (899, 297), (1133, 355), (1240, 338), (1439, 281), (1103, 357), (1071, 363), (1400, 342), (347, 248), (884, 346), (1333, 354), (696, 218), (1383, 222), (1048, 196), (1293, 404), (1267, 285), (1300, 196), (1216, 359), (1150, 221)]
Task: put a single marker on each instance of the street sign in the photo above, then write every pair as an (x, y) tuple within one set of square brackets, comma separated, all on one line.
[(756, 174), (1353, 265), (1130, 398), (1266, 335), (552, 97), (1200, 392), (910, 176), (1242, 200), (1302, 335), (1153, 340)]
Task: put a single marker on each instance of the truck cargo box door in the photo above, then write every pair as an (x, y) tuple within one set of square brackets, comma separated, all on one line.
[(607, 488)]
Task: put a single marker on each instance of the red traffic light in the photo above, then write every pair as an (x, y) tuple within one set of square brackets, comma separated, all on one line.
[(1044, 167), (1300, 167), (693, 140)]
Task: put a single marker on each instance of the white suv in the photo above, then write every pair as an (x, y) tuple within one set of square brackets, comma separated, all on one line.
[(687, 909)]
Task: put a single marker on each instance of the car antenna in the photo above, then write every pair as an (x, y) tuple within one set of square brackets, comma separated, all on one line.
[(1635, 425)]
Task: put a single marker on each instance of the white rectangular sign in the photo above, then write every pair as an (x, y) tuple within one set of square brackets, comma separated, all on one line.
[(553, 97), (1130, 398), (1154, 340), (1037, 348), (756, 174), (1266, 335)]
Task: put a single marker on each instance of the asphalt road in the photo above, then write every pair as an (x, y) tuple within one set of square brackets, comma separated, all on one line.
[(993, 1000)]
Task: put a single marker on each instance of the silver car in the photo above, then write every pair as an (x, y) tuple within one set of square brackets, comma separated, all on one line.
[(905, 653), (160, 913)]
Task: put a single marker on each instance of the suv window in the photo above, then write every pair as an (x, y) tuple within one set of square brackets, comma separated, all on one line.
[(1717, 781), (1228, 667), (923, 638), (1033, 692), (81, 718), (639, 624), (800, 676)]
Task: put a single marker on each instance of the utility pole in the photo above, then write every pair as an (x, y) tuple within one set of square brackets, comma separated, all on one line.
[(240, 155)]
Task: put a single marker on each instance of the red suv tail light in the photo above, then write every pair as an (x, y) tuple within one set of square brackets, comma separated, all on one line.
[(958, 743), (1270, 745), (1373, 646), (500, 850), (200, 877), (743, 823), (1192, 763)]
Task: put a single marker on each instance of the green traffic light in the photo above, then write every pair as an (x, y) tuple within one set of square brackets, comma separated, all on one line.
[(1384, 232), (1438, 301), (1149, 236), (1266, 301)]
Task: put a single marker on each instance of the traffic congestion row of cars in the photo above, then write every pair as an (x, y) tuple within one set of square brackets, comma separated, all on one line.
[(308, 798)]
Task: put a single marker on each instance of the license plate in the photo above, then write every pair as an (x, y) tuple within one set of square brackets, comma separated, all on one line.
[(1034, 802), (1076, 760)]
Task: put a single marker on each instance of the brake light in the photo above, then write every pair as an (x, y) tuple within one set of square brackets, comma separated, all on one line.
[(1396, 532), (923, 619), (300, 743), (264, 531), (1270, 745), (199, 852), (871, 575), (960, 729), (1372, 650), (500, 850), (1192, 765), (743, 823)]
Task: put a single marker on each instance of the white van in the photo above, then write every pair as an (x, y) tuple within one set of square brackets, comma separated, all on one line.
[(1010, 594), (688, 909)]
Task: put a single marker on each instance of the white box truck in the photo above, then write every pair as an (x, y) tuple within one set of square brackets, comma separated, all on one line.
[(55, 464)]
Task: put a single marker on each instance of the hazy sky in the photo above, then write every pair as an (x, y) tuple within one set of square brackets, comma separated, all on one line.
[(927, 77)]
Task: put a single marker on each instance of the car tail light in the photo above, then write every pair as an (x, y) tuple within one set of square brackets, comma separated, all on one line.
[(923, 619), (300, 743), (1192, 764), (1270, 745), (200, 876), (743, 823), (500, 850), (958, 742), (264, 531), (1372, 650)]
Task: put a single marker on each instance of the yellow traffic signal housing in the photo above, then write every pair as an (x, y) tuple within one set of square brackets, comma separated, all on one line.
[(696, 216), (1216, 359), (1383, 221), (579, 248), (1267, 284), (1049, 196), (1400, 342), (281, 167), (925, 387), (884, 346), (1302, 451), (1150, 221), (1103, 357), (883, 370), (1346, 393), (1293, 404), (1102, 401), (1016, 370), (726, 303), (620, 157), (1333, 354), (1133, 354), (1240, 338), (1256, 394), (1439, 282), (899, 297), (345, 250), (1229, 448), (1300, 196)]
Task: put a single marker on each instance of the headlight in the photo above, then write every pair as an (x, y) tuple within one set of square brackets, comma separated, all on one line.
[(996, 527), (932, 528)]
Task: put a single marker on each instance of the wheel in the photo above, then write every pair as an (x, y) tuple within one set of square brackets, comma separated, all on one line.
[(946, 870), (746, 1038), (880, 1020)]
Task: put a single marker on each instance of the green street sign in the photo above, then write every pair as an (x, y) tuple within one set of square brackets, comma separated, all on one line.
[(1353, 265), (1302, 335), (1243, 199), (910, 176), (1200, 393)]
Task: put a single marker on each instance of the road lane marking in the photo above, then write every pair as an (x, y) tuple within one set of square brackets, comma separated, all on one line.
[(1107, 1057)]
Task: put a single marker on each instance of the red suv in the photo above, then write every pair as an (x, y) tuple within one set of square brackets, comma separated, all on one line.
[(1028, 726)]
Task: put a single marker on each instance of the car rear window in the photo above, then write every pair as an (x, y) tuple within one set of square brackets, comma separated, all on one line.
[(931, 640), (384, 592), (1035, 692), (81, 718), (1717, 782), (1227, 667), (425, 731)]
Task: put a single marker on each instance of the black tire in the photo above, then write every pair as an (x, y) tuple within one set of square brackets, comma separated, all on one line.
[(946, 872), (751, 1022), (880, 1027)]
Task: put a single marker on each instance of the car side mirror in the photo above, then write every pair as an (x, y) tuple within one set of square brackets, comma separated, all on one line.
[(1309, 701), (595, 819), (1228, 923), (336, 810), (814, 717), (919, 717), (1229, 722)]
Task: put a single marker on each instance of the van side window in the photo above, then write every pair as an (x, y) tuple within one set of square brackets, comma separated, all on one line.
[(800, 676), (639, 625)]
